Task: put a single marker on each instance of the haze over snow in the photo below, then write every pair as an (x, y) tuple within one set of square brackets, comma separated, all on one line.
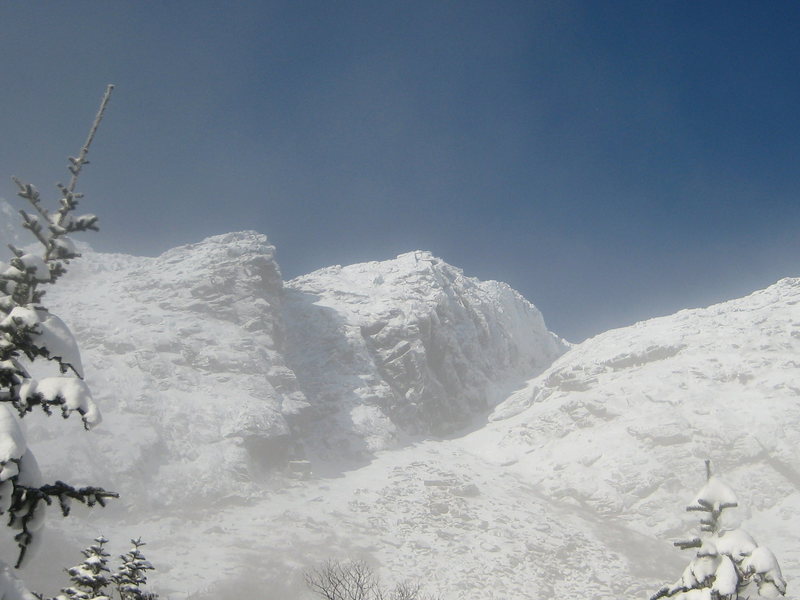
[(450, 437)]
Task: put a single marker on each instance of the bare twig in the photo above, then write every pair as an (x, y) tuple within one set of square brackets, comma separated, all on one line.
[(77, 163)]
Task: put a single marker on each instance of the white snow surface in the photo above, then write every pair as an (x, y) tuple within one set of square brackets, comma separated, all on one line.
[(211, 374), (716, 494)]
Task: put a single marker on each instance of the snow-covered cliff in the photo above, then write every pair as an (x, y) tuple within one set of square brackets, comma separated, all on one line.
[(408, 345), (214, 373), (575, 489), (578, 485), (184, 355)]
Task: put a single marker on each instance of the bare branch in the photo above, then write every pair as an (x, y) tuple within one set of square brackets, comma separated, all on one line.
[(77, 163), (356, 581)]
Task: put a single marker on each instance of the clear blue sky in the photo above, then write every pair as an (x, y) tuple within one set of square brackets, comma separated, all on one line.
[(612, 161)]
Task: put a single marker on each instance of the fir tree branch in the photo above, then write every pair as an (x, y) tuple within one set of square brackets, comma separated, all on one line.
[(31, 194), (25, 500)]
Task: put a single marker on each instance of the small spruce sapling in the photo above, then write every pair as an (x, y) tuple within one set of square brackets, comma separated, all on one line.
[(130, 577), (91, 577), (729, 564), (29, 332)]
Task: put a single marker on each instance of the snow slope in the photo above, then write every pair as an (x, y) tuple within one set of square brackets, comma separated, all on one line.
[(575, 488), (645, 404), (621, 424)]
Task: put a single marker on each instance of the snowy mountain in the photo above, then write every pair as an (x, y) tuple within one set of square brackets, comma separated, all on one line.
[(202, 357), (212, 373)]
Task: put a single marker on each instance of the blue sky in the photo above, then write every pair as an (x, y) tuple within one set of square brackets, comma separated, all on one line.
[(612, 161)]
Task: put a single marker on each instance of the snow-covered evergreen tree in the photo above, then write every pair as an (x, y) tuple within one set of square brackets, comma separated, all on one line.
[(91, 577), (729, 564), (130, 577), (29, 332)]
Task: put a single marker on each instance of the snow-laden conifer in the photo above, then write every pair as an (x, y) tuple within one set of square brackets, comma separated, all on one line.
[(729, 564), (29, 332), (130, 578), (91, 577)]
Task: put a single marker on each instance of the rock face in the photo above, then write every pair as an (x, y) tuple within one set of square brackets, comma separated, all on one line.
[(409, 345), (217, 373), (578, 486), (185, 356)]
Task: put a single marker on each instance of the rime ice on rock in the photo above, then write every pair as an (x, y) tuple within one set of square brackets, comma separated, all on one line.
[(409, 345), (200, 330)]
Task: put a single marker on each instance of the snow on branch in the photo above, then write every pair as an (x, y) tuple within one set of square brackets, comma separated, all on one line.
[(28, 332), (728, 563), (25, 501), (77, 163)]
